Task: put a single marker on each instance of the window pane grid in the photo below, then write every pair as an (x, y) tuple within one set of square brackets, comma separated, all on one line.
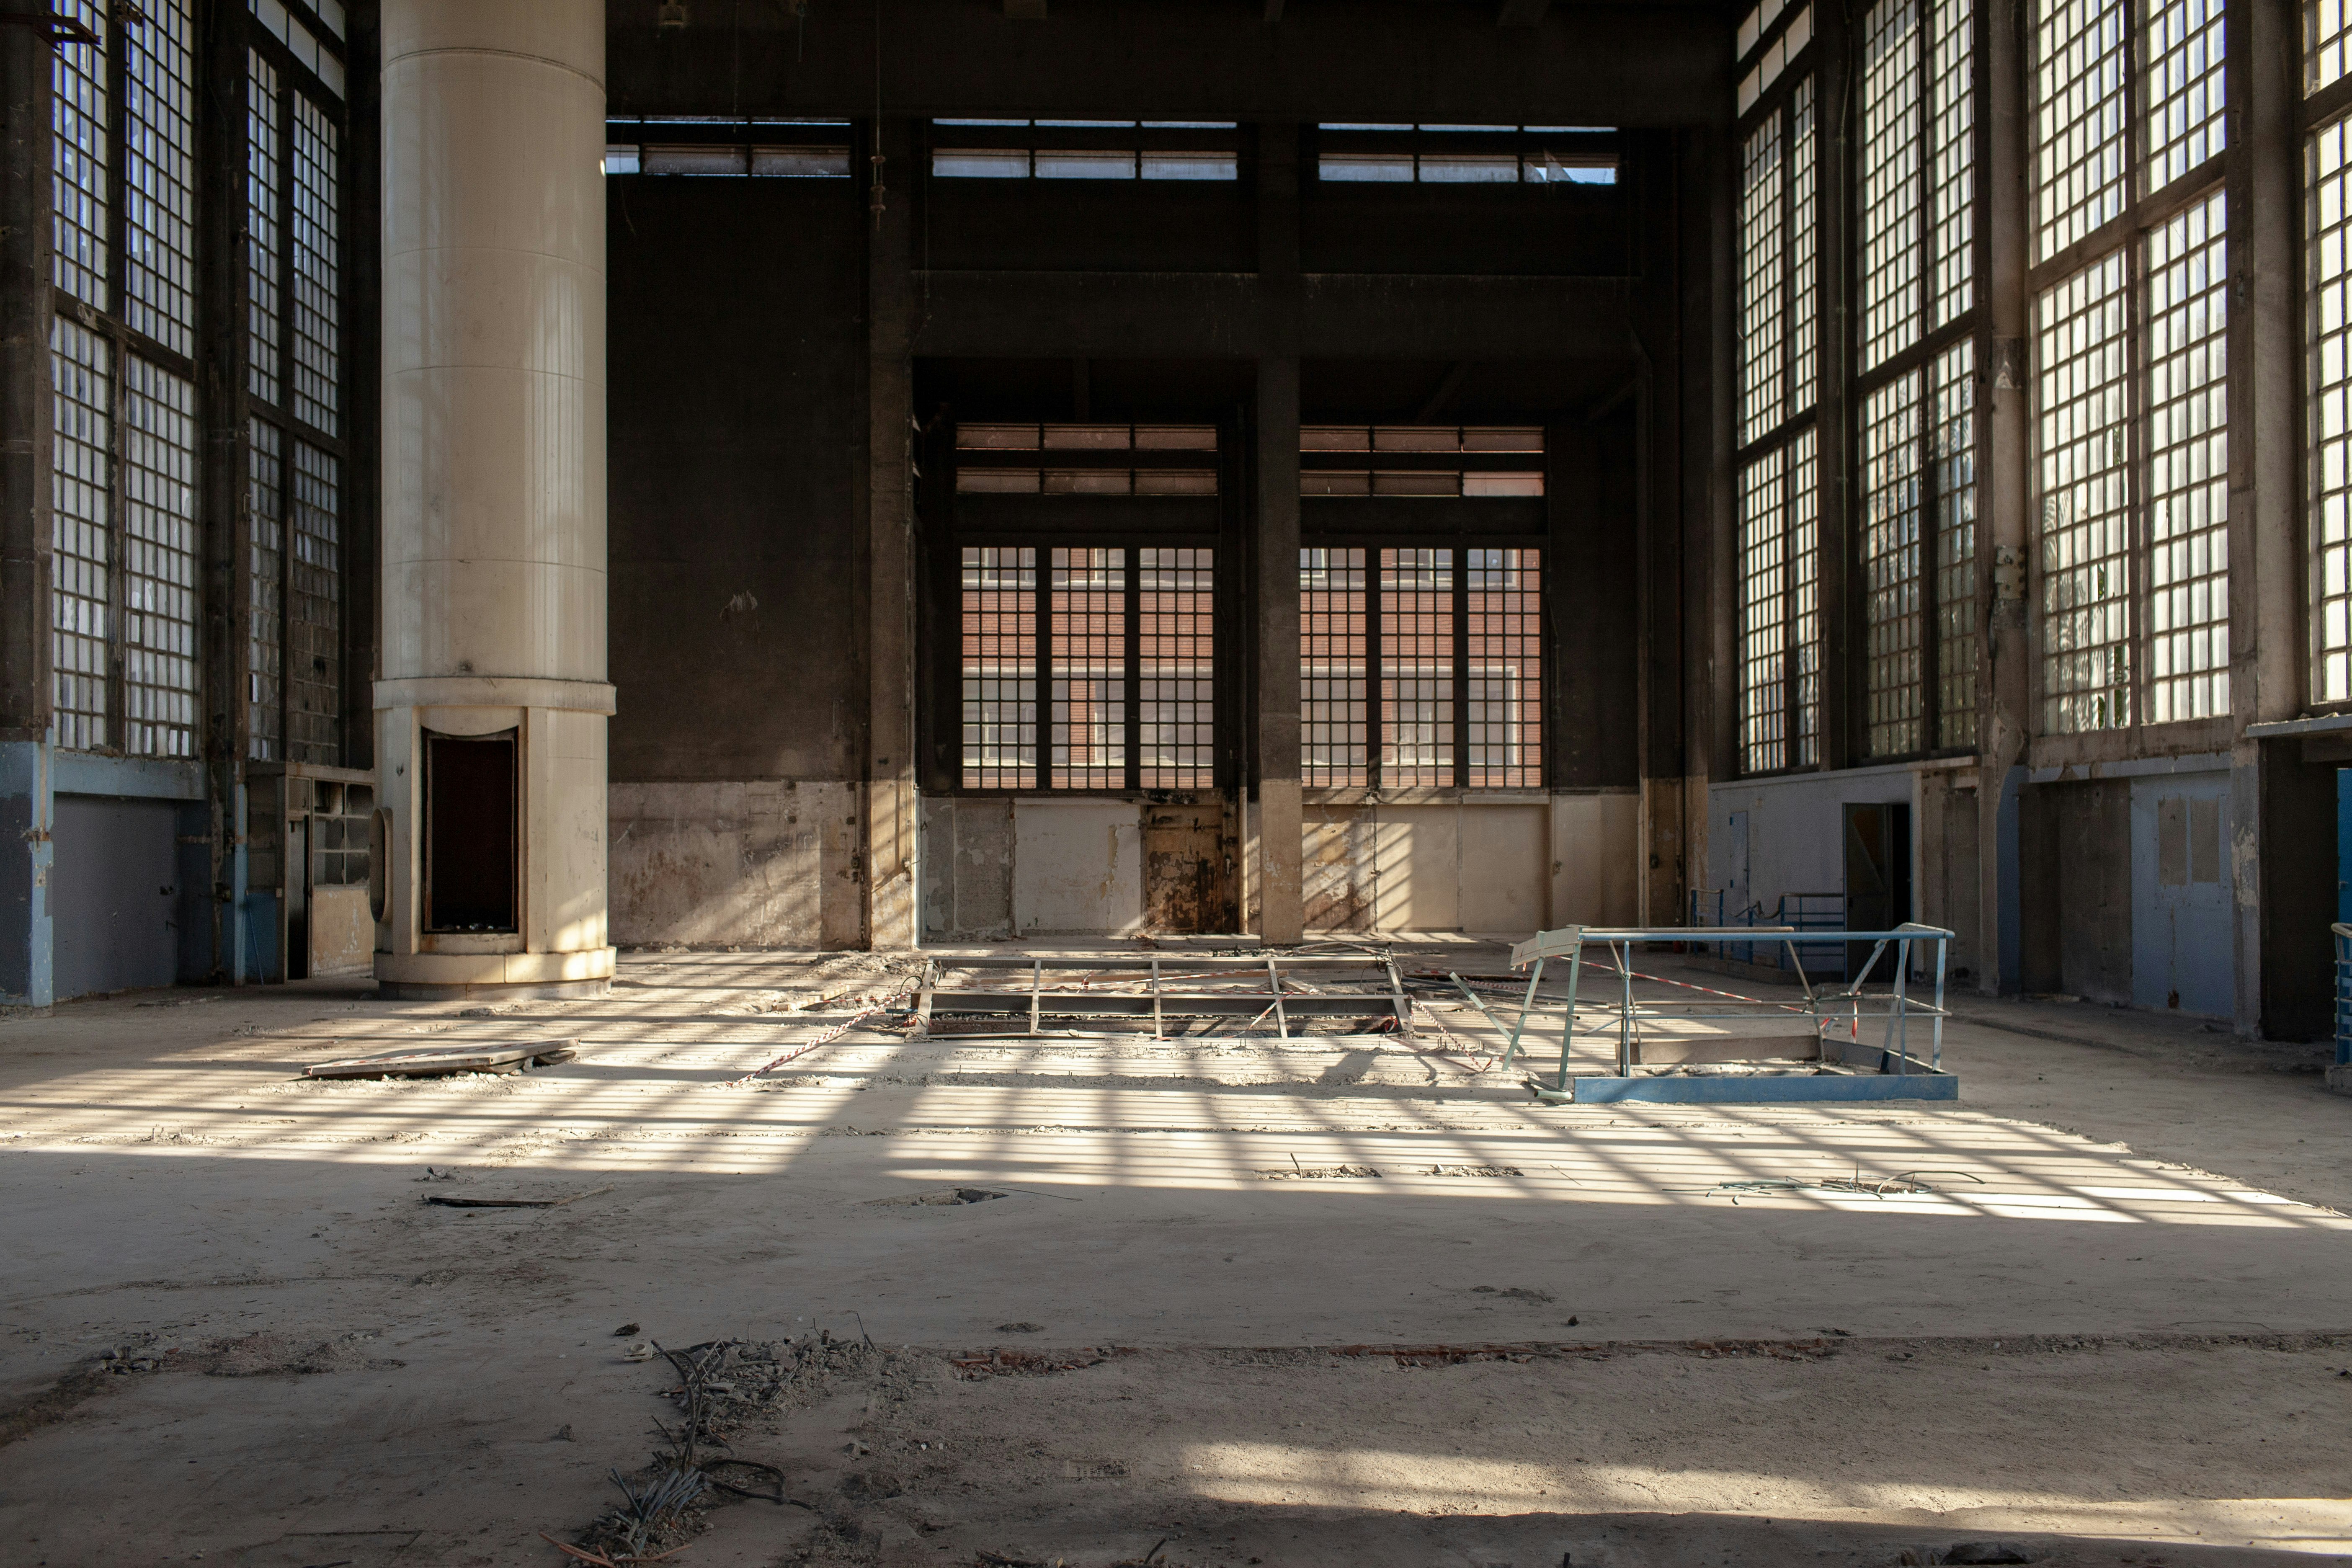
[(1088, 609), (1804, 283), (2326, 43), (2328, 312), (2185, 97), (1334, 729), (1416, 668), (159, 563), (1763, 617), (263, 150), (79, 157), (1504, 691), (1000, 668), (158, 176), (2079, 111), (1805, 600), (82, 374), (1954, 453), (1890, 180), (266, 579), (315, 613), (1892, 611), (2084, 469), (317, 339), (1951, 171), (1763, 272), (2187, 489), (1176, 674)]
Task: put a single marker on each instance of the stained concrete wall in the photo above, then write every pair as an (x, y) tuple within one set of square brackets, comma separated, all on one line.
[(749, 865), (2182, 958), (2075, 889)]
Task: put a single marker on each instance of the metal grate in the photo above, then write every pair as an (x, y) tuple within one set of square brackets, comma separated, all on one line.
[(1176, 668), (266, 607), (2327, 314), (2326, 43), (2082, 441), (1953, 450), (317, 294), (1417, 665), (1000, 668), (264, 153), (2189, 466), (1951, 161), (1892, 501), (314, 654), (1763, 280), (79, 155), (2079, 111), (1089, 642), (159, 188), (1891, 213), (81, 368), (1333, 646), (159, 547), (2185, 94), (1504, 606)]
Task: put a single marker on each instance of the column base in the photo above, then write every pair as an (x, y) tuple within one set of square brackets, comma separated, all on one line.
[(515, 976)]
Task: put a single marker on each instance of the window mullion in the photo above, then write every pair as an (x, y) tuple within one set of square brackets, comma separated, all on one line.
[(1044, 592), (1374, 707), (1461, 682), (1134, 682)]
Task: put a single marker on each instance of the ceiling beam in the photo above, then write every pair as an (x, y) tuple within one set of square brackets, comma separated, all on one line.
[(1026, 10), (1273, 12), (1522, 12)]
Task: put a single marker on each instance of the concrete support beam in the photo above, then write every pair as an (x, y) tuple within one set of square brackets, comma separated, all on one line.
[(2004, 683), (26, 795), (2269, 658), (892, 816), (493, 550), (1276, 764)]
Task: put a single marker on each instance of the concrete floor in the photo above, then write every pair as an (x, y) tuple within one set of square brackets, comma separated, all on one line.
[(2128, 1340)]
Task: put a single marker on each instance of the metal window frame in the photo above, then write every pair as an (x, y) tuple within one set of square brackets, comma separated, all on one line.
[(2145, 209)]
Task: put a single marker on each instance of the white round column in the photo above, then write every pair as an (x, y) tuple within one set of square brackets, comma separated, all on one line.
[(493, 453)]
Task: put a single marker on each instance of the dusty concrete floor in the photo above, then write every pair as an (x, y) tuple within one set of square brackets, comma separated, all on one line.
[(2128, 1341)]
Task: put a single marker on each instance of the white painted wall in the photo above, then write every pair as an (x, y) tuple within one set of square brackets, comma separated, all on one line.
[(1796, 830), (1486, 866), (1077, 866)]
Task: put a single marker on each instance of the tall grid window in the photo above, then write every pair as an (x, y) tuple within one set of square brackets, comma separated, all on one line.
[(2328, 392), (1893, 497), (314, 610), (2083, 442), (81, 532), (1335, 713), (160, 548), (2130, 333), (293, 376), (2188, 468), (315, 227), (2326, 43), (264, 157), (1952, 452), (266, 583), (1120, 639), (1918, 169), (2079, 113), (1421, 667), (158, 186), (80, 155), (1000, 668), (1778, 627), (1780, 610)]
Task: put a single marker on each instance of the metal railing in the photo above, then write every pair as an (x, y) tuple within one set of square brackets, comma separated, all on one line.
[(1826, 1009), (1794, 911)]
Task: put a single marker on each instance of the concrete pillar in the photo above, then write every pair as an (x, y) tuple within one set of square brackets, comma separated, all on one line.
[(1277, 816), (493, 516), (2004, 683), (892, 813), (2270, 661), (25, 796)]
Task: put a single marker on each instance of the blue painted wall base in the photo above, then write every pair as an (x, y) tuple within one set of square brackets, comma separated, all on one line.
[(1598, 1088)]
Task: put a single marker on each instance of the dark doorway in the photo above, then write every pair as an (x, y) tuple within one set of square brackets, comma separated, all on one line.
[(469, 832), (297, 897), (1877, 880)]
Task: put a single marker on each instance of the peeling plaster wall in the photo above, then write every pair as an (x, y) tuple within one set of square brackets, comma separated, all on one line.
[(727, 864), (1489, 867)]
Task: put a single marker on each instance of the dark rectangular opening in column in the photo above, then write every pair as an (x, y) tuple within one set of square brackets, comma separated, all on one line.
[(469, 832)]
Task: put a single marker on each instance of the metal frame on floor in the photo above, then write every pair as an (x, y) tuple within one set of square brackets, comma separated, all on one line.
[(1897, 1074), (1281, 997)]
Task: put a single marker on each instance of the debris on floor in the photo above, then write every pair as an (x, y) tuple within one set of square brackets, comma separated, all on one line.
[(511, 1057)]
